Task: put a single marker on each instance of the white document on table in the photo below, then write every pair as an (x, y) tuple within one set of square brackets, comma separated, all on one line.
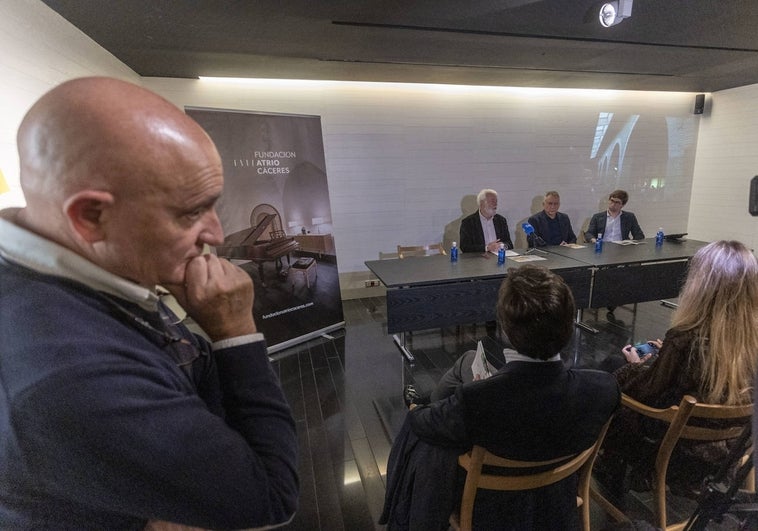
[(508, 252), (527, 258)]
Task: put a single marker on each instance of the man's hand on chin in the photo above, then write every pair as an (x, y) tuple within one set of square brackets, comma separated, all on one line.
[(218, 296)]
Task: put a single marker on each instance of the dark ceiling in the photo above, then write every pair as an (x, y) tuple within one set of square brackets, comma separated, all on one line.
[(672, 45)]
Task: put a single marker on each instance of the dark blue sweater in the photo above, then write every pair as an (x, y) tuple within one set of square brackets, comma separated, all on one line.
[(100, 429)]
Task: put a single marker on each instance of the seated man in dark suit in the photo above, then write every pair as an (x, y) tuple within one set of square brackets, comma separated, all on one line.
[(550, 226), (615, 224), (534, 408), (484, 230)]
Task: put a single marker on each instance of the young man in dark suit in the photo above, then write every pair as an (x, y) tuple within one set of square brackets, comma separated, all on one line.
[(615, 224), (484, 230)]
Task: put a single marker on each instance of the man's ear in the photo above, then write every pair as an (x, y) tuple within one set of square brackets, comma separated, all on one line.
[(84, 211)]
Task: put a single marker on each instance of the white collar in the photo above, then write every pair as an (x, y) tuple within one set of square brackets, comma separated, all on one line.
[(511, 355), (485, 220)]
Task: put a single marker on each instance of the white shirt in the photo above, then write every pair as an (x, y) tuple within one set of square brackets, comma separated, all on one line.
[(612, 228), (488, 226)]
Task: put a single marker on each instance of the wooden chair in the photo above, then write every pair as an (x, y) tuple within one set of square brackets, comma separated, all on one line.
[(405, 251), (540, 476), (678, 418)]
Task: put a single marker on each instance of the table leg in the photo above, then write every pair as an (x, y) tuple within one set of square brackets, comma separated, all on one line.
[(581, 324), (400, 342)]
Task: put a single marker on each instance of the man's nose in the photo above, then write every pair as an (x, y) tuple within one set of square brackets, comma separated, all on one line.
[(212, 233)]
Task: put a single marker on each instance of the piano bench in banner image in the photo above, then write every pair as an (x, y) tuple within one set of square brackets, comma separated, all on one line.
[(305, 266)]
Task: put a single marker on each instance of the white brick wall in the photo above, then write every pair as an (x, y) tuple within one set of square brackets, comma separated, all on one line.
[(40, 49), (401, 159)]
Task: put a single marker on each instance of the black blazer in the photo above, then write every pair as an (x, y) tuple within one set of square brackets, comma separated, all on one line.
[(540, 223), (529, 411), (629, 226), (472, 234)]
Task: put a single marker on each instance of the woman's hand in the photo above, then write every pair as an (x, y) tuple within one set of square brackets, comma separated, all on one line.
[(632, 356)]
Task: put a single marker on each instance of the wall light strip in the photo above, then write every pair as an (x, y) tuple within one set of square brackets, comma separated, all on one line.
[(531, 92)]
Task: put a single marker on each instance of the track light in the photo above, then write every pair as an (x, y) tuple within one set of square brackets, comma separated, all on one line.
[(611, 13)]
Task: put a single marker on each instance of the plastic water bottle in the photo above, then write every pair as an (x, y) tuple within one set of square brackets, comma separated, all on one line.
[(659, 236), (454, 252), (501, 254), (599, 243)]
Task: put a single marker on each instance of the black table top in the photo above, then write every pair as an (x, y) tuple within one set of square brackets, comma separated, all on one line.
[(438, 269), (615, 254)]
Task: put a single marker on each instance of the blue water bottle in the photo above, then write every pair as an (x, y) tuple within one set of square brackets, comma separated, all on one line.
[(599, 243), (454, 252), (659, 237), (501, 254)]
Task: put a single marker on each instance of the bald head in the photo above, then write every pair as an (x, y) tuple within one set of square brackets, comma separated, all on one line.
[(102, 133), (94, 151)]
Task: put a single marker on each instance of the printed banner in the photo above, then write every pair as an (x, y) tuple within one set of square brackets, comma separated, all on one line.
[(277, 219)]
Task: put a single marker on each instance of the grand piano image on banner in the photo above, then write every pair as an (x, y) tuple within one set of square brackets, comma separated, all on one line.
[(264, 241)]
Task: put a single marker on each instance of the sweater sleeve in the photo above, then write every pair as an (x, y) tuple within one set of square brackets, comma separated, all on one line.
[(125, 435), (663, 381), (570, 236)]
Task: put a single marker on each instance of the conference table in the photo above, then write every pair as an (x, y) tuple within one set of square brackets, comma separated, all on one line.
[(433, 292), (639, 272)]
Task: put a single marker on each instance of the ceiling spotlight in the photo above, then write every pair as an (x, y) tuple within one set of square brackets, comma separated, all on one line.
[(611, 13)]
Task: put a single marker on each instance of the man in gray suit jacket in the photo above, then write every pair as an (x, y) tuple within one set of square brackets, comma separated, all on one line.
[(484, 230), (615, 224)]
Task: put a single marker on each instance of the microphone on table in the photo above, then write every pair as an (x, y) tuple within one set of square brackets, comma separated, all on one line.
[(531, 238), (529, 231)]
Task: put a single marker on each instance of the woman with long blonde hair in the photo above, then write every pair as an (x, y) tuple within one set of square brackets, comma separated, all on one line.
[(718, 318), (710, 352)]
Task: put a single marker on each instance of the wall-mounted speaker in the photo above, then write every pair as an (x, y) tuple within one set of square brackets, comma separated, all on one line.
[(753, 200), (699, 103)]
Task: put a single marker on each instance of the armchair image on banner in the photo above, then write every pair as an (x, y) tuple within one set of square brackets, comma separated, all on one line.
[(277, 219)]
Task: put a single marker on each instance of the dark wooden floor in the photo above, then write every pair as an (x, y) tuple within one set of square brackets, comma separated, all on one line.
[(345, 391)]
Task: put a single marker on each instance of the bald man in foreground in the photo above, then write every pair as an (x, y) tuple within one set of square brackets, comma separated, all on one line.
[(111, 415)]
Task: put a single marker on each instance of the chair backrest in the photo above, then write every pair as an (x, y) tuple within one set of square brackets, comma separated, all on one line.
[(681, 426), (679, 418), (405, 251), (531, 475)]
